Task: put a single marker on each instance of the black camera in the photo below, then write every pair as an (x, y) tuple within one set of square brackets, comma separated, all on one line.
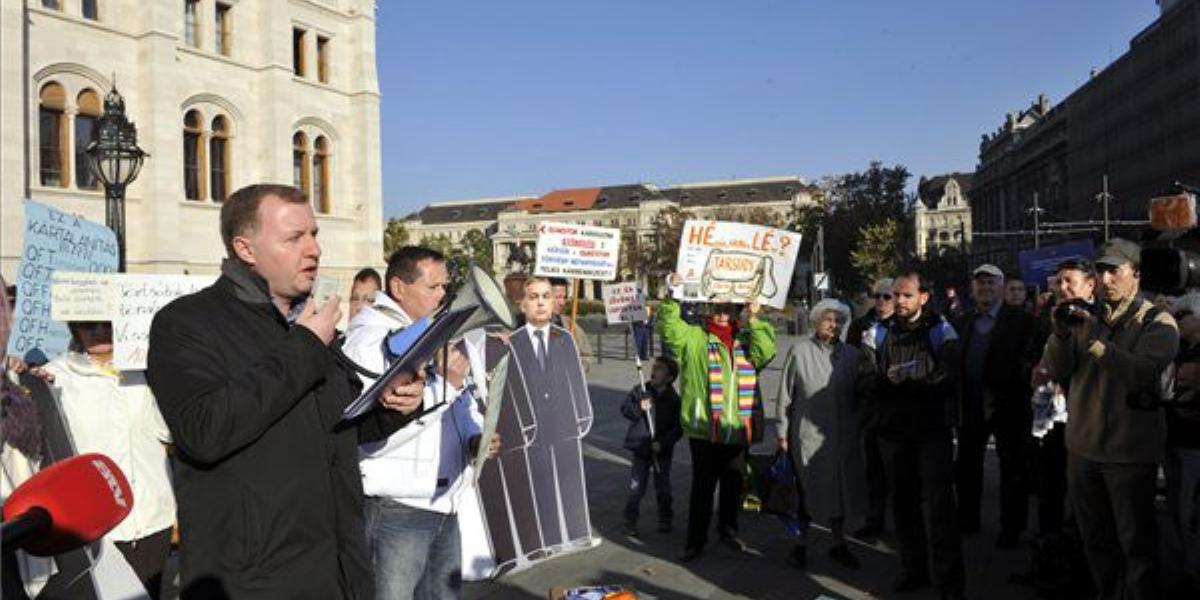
[(1073, 312)]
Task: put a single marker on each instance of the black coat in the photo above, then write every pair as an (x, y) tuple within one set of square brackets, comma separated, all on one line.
[(667, 427), (559, 395), (1009, 359), (267, 483), (860, 326), (924, 406)]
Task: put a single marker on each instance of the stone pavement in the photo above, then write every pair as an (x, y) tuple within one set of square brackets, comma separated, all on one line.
[(650, 563)]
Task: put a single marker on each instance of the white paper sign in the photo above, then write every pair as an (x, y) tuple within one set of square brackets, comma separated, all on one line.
[(577, 251), (624, 303), (82, 296), (735, 262), (139, 297)]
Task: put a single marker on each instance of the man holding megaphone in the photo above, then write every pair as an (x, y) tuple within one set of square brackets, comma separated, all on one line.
[(413, 479), (266, 473)]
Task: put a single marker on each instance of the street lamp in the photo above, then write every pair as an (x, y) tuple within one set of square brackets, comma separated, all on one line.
[(115, 160)]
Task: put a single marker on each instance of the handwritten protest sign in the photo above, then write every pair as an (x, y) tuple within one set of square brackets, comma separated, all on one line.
[(54, 241), (624, 303), (82, 296), (735, 262), (139, 297), (577, 251)]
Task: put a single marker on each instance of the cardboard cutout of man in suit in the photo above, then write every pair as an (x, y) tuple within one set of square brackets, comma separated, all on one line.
[(534, 493)]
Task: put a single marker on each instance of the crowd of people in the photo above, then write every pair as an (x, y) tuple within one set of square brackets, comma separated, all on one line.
[(929, 391), (235, 432)]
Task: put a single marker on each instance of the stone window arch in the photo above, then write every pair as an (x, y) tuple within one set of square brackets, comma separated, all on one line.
[(53, 166), (87, 122), (193, 155), (320, 175), (218, 153), (300, 164)]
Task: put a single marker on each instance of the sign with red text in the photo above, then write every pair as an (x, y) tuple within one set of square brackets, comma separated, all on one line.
[(735, 262), (624, 303), (139, 297), (577, 251)]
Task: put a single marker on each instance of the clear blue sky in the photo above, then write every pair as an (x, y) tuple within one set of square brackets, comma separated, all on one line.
[(496, 98)]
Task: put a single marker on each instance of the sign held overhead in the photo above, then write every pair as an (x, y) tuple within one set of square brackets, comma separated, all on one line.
[(577, 251), (735, 262)]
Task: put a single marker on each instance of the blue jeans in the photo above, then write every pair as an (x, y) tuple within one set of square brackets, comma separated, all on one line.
[(416, 553), (639, 482)]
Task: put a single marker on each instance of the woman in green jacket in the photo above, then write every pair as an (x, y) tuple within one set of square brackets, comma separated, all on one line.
[(718, 372)]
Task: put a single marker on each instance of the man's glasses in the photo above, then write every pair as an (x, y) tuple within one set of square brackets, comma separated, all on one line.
[(883, 296)]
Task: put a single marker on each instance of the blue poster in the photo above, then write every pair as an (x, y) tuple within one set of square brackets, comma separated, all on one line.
[(1042, 263), (54, 241)]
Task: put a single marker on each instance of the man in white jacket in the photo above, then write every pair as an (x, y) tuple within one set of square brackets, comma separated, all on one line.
[(413, 479)]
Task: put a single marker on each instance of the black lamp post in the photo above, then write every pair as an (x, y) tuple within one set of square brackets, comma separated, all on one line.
[(115, 159)]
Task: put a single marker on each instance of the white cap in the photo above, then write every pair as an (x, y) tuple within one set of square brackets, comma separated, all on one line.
[(988, 269)]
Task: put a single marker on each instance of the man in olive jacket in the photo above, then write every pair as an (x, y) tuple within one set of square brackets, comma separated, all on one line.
[(269, 493), (1116, 430)]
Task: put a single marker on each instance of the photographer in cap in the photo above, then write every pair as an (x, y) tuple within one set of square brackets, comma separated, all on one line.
[(1113, 363)]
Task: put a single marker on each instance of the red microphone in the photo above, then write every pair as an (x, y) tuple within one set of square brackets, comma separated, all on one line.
[(67, 505)]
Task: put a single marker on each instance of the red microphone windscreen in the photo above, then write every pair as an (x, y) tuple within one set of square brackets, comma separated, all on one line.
[(86, 496)]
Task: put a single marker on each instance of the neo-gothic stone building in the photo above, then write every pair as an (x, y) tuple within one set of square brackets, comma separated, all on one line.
[(943, 215), (224, 93)]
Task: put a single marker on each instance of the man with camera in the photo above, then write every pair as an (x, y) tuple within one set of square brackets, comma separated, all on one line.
[(1112, 362)]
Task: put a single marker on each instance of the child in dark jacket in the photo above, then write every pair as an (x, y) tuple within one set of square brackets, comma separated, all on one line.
[(652, 456)]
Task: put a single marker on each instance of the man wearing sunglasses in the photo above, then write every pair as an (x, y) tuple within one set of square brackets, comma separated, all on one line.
[(876, 480)]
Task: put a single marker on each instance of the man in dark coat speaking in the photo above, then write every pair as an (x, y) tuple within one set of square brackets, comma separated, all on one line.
[(266, 476)]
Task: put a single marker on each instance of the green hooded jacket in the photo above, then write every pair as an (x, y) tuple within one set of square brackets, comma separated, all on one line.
[(689, 344)]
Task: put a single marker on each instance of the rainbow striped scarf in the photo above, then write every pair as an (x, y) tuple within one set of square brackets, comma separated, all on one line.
[(746, 381)]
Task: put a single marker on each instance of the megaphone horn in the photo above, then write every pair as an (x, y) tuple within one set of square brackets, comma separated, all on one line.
[(481, 292)]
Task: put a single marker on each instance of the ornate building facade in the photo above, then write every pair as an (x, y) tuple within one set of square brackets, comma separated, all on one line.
[(223, 93), (511, 223), (943, 215), (1129, 131)]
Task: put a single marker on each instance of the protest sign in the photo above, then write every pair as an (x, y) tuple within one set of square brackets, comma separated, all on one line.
[(735, 262), (139, 297), (82, 296), (624, 303), (54, 241), (1041, 263), (577, 251)]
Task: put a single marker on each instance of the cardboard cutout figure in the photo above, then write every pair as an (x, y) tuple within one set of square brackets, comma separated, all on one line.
[(534, 493)]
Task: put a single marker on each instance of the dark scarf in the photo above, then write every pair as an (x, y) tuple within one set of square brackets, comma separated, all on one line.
[(251, 288)]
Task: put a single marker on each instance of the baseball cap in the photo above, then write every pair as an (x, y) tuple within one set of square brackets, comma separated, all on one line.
[(987, 269), (1118, 251)]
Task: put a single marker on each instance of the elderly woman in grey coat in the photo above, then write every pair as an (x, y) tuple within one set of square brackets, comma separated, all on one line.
[(821, 416)]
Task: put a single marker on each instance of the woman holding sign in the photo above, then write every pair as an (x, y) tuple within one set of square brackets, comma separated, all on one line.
[(113, 412), (718, 370)]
